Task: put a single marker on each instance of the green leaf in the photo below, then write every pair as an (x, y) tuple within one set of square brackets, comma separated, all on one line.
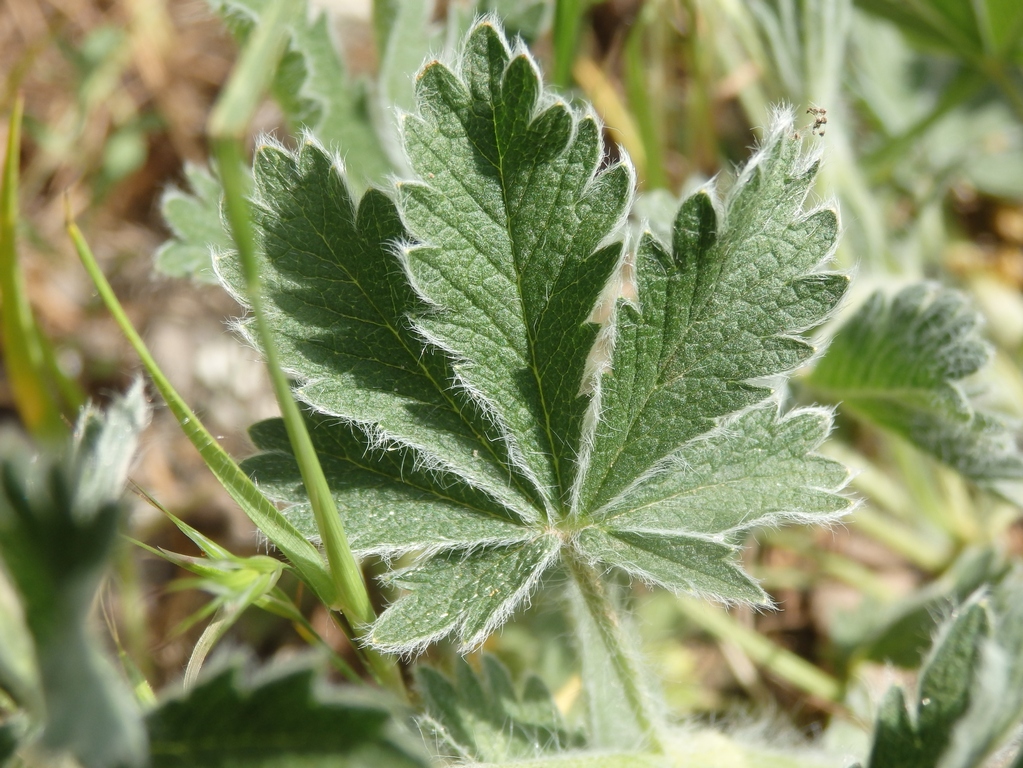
[(58, 522), (338, 302), (279, 717), (727, 481), (900, 363), (723, 306), (969, 695), (196, 226), (315, 90), (479, 392), (988, 28), (900, 632), (482, 716), (512, 213), (687, 563), (386, 508), (996, 689), (469, 594)]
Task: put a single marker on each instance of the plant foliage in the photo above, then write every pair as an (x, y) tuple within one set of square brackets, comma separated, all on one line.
[(494, 385), (482, 717), (900, 363), (970, 692), (279, 717), (58, 523)]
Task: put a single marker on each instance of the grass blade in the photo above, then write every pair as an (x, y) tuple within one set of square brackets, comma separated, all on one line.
[(25, 357), (227, 125), (279, 531)]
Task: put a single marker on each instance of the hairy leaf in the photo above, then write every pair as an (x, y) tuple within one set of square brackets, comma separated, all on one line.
[(481, 393), (198, 231), (281, 717), (970, 693), (58, 523), (722, 306), (469, 594), (900, 363), (482, 716), (315, 90), (512, 213)]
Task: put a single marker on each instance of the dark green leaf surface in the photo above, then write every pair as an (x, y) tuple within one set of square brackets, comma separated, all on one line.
[(465, 401), (512, 213), (387, 504), (900, 362), (996, 689), (970, 693), (468, 594), (277, 719), (728, 481), (721, 307), (682, 563)]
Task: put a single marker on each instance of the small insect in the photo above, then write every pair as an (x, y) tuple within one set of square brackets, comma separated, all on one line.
[(820, 119)]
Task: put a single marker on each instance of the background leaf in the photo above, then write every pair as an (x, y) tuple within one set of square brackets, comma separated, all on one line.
[(278, 717), (197, 228), (900, 363), (483, 717), (57, 527)]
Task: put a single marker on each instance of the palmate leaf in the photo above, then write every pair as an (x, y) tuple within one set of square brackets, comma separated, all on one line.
[(444, 349), (900, 362)]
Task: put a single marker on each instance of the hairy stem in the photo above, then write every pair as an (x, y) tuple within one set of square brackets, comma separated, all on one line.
[(604, 616)]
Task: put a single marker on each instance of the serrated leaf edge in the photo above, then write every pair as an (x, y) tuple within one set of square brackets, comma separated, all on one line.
[(497, 617)]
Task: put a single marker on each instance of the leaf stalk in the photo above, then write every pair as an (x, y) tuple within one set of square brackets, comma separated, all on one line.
[(605, 617)]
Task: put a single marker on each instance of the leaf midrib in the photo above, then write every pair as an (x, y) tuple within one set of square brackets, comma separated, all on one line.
[(418, 357)]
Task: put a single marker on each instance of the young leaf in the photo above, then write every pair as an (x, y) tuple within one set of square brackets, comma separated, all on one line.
[(282, 717), (996, 688), (315, 92), (446, 354), (198, 231), (482, 717), (900, 362)]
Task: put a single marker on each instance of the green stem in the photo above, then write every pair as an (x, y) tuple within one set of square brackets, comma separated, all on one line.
[(647, 115), (281, 533), (602, 611), (929, 556), (777, 660), (567, 17), (227, 125), (353, 597)]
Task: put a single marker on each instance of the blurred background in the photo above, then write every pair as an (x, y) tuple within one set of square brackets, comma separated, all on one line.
[(919, 114)]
